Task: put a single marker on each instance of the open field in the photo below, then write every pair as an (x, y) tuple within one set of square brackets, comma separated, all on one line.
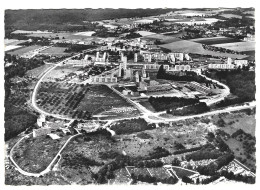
[(215, 40), (196, 48), (35, 154), (145, 33), (163, 38), (88, 33), (239, 134), (66, 36), (23, 50), (231, 16), (55, 51), (77, 101), (182, 172), (235, 121), (60, 72), (187, 134), (37, 72), (238, 46), (13, 42)]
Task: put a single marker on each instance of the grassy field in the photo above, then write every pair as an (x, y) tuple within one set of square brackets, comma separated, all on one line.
[(35, 154), (196, 48), (235, 121), (77, 101), (182, 172), (37, 72), (65, 36), (215, 40), (231, 16), (241, 144), (23, 50), (163, 38), (238, 46), (55, 51), (60, 72)]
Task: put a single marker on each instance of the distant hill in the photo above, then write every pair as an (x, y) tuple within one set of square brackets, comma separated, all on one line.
[(47, 19)]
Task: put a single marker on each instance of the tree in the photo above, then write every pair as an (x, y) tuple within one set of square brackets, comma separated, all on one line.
[(176, 162), (161, 72), (186, 179), (122, 72)]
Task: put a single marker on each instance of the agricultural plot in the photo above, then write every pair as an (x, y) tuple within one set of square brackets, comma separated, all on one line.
[(65, 36), (238, 46), (38, 71), (159, 173), (215, 40), (55, 51), (137, 171), (34, 155), (77, 101), (60, 73), (163, 38), (180, 172), (13, 42), (196, 48), (23, 50), (231, 16)]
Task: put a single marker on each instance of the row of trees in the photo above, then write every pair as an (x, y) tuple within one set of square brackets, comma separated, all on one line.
[(197, 108), (152, 179), (186, 76), (213, 167), (71, 48), (164, 103), (131, 126)]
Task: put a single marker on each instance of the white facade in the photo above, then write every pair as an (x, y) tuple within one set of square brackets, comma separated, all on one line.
[(221, 66), (41, 131), (155, 67), (182, 68), (101, 79), (241, 63), (77, 62), (229, 60)]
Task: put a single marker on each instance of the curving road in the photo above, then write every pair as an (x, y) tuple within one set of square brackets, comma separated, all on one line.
[(148, 115), (48, 167)]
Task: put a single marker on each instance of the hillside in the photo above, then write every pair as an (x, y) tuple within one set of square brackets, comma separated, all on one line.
[(55, 19)]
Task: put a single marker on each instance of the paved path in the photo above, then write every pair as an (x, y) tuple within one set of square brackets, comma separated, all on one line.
[(146, 114), (48, 167)]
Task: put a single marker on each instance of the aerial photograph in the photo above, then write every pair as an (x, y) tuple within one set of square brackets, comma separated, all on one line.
[(103, 96)]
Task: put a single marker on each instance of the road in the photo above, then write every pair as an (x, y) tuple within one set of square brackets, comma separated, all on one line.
[(148, 115), (48, 169), (34, 94)]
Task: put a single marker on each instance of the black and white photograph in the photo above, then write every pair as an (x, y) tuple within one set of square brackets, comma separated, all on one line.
[(151, 96)]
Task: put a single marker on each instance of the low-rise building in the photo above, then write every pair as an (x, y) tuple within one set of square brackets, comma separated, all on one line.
[(221, 66), (41, 131), (199, 87), (103, 79)]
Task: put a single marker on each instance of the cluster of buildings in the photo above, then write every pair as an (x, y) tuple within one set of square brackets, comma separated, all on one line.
[(158, 56), (230, 64)]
